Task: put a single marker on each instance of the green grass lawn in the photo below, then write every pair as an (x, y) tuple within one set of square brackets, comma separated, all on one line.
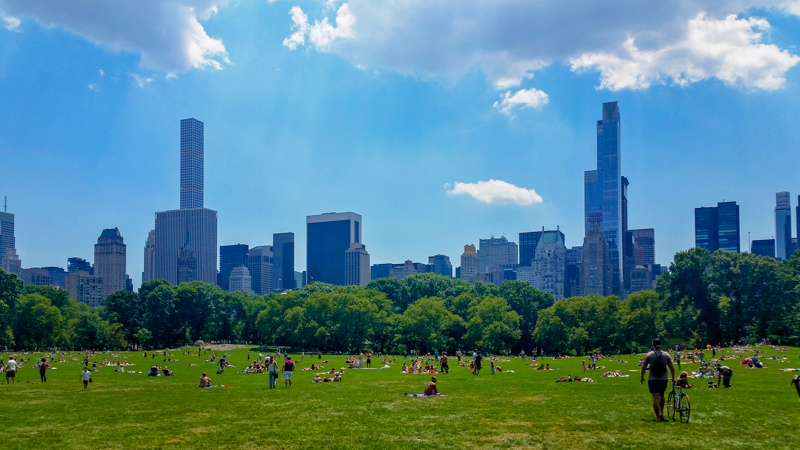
[(525, 409)]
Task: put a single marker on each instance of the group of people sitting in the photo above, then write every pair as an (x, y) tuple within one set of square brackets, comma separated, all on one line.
[(320, 379), (417, 367), (156, 371)]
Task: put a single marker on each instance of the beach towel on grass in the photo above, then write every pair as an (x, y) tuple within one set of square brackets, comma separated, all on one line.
[(424, 395)]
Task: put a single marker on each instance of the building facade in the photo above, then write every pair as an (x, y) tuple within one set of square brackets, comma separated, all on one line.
[(7, 239), (469, 264), (496, 252), (603, 191), (783, 225), (329, 236), (192, 223), (441, 265), (283, 251), (240, 281), (356, 265), (596, 271), (527, 247), (261, 266), (149, 257), (763, 247), (230, 257), (550, 264), (717, 227), (110, 261), (11, 262), (85, 288)]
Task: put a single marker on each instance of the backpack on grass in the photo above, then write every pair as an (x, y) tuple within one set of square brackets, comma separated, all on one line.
[(657, 367)]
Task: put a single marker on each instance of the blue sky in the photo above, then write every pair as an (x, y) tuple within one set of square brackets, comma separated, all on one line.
[(382, 107)]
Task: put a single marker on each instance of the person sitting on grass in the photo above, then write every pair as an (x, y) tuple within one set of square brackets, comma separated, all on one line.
[(317, 379), (205, 382), (430, 389), (167, 372), (337, 377), (404, 369), (683, 380), (153, 372)]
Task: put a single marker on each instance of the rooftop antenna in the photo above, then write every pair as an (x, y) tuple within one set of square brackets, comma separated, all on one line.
[(5, 203)]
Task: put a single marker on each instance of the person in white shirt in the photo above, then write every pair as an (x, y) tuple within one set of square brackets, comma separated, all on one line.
[(86, 376), (11, 370)]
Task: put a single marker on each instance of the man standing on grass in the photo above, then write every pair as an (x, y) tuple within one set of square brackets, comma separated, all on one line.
[(443, 361), (478, 361), (658, 362), (11, 371), (796, 383)]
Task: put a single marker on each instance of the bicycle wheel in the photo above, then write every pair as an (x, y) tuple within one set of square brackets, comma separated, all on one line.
[(671, 405), (684, 408)]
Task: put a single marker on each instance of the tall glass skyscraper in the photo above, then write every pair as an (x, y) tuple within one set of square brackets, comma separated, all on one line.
[(603, 189), (7, 239), (328, 238), (729, 233), (283, 250), (527, 247), (231, 257), (783, 225), (192, 227), (717, 227)]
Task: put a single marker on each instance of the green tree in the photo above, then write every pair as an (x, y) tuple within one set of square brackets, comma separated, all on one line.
[(427, 325), (527, 301), (493, 326), (37, 323), (123, 307), (10, 288)]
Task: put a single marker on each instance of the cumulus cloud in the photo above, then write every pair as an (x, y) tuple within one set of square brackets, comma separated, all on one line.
[(11, 23), (166, 34), (729, 49), (509, 40), (495, 192), (322, 33), (523, 98)]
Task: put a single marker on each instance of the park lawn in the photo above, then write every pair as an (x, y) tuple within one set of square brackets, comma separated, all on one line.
[(525, 409)]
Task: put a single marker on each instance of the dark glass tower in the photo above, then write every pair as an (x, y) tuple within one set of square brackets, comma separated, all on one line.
[(230, 257), (283, 257), (706, 234), (527, 247), (729, 235), (783, 225), (717, 227), (328, 238), (603, 190), (192, 148)]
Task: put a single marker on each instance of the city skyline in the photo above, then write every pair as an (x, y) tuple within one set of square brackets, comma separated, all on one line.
[(296, 127)]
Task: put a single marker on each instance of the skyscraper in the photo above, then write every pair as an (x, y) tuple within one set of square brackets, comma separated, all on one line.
[(496, 252), (596, 271), (356, 265), (441, 265), (11, 262), (110, 261), (328, 238), (603, 190), (706, 228), (527, 247), (261, 266), (192, 158), (193, 226), (469, 264), (7, 239), (283, 251), (717, 227), (783, 225), (230, 257), (149, 256), (729, 233), (550, 263), (76, 264), (644, 246)]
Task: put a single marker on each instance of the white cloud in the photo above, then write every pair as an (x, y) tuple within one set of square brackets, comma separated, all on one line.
[(166, 34), (322, 33), (495, 192), (728, 49), (101, 72), (140, 80), (93, 87), (509, 40), (11, 23), (523, 98)]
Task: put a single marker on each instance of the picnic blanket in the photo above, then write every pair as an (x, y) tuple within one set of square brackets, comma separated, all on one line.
[(424, 395)]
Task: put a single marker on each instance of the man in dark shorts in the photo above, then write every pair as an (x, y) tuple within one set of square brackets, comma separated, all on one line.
[(658, 362), (478, 362), (796, 383), (725, 374), (443, 362)]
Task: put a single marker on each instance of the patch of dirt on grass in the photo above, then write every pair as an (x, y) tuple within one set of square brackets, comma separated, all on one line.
[(534, 398), (513, 424), (505, 436)]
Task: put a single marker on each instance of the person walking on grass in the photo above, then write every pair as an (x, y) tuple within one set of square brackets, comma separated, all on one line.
[(443, 362), (658, 362), (288, 370), (796, 383), (478, 361), (43, 366), (86, 376)]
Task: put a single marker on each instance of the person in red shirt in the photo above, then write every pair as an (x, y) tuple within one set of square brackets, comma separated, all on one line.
[(288, 370), (43, 369)]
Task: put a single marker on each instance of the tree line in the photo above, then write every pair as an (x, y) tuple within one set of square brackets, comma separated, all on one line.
[(704, 298)]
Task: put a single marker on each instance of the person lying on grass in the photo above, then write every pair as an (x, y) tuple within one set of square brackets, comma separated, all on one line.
[(430, 389)]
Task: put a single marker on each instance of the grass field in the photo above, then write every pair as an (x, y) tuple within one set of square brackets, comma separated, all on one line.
[(525, 409)]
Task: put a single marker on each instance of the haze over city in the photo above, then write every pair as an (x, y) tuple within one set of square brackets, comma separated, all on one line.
[(436, 138)]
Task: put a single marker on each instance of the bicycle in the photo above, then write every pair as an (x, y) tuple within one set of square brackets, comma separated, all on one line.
[(678, 402)]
